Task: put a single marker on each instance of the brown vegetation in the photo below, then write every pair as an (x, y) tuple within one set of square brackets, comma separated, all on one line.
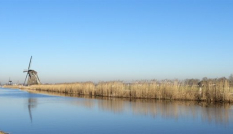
[(212, 90), (3, 132), (211, 112)]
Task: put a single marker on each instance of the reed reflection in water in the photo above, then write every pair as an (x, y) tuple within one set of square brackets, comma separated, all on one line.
[(219, 113)]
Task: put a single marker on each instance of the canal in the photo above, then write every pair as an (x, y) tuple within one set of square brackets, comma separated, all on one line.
[(22, 112)]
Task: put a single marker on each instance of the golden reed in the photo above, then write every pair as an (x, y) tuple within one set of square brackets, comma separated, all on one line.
[(1, 132), (211, 90)]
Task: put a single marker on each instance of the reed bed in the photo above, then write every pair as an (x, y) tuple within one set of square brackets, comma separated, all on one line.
[(211, 90), (15, 86), (1, 132), (212, 112)]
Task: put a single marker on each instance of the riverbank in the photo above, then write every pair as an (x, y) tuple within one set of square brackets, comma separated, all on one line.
[(1, 132), (217, 90)]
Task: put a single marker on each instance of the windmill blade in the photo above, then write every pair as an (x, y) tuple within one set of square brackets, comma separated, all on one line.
[(25, 79), (30, 63)]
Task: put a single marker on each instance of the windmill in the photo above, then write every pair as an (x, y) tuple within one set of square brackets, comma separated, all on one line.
[(33, 78), (10, 81)]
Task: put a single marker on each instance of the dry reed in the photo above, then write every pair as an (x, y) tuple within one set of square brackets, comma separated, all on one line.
[(1, 132), (211, 90), (213, 112)]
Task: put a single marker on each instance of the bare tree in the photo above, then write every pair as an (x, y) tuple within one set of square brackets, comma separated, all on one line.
[(231, 80), (191, 82)]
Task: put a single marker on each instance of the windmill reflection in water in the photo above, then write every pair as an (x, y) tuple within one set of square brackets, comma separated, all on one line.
[(32, 103)]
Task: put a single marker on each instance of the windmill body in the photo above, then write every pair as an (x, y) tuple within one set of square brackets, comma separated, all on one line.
[(33, 78), (10, 81)]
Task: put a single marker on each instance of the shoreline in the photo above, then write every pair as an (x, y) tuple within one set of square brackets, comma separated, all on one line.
[(220, 92), (1, 132)]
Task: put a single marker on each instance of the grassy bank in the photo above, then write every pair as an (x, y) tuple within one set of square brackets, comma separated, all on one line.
[(3, 132), (212, 112), (211, 90), (16, 86)]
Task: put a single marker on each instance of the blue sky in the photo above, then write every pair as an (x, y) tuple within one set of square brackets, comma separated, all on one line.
[(103, 40)]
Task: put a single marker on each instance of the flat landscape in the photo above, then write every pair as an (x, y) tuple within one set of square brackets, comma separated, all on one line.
[(116, 66)]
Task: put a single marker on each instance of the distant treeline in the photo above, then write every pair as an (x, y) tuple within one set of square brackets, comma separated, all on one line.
[(211, 90)]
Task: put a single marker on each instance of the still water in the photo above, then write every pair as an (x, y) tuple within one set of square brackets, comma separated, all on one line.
[(22, 112)]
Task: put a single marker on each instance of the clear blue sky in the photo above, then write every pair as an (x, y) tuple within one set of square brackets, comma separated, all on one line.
[(102, 40)]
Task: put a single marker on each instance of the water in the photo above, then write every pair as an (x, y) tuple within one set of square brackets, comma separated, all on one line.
[(29, 113)]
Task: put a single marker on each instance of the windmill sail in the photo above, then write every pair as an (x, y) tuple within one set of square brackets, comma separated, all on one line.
[(33, 78)]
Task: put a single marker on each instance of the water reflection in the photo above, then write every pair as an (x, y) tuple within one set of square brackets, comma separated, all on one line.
[(32, 103), (218, 113)]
